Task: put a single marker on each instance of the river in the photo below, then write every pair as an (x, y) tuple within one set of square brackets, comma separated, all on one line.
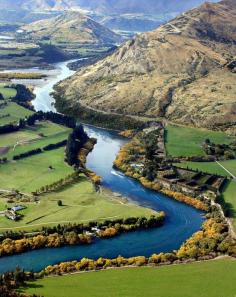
[(181, 220)]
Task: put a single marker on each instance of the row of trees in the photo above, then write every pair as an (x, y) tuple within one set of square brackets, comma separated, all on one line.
[(54, 146), (9, 128), (39, 116), (69, 179), (37, 151), (186, 199), (103, 263), (28, 154), (54, 117), (80, 228), (10, 247), (77, 234)]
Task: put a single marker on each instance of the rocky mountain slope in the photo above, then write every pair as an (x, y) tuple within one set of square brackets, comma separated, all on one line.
[(183, 71), (71, 27)]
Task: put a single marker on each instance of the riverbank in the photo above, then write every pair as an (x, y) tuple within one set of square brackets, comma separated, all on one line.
[(76, 234), (95, 118), (143, 158)]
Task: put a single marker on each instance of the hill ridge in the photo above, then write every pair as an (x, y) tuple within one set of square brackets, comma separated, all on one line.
[(71, 27), (177, 71)]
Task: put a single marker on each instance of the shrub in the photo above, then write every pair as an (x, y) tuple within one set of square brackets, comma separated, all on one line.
[(59, 203)]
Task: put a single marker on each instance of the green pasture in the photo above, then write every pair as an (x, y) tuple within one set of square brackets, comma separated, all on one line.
[(80, 204), (187, 141), (205, 279)]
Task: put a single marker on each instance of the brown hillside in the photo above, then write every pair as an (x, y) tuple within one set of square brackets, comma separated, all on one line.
[(71, 27), (183, 71)]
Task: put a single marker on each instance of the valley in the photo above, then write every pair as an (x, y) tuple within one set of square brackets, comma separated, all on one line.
[(34, 216), (38, 44)]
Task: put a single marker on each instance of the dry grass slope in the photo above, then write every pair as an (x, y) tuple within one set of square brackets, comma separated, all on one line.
[(178, 71), (71, 27)]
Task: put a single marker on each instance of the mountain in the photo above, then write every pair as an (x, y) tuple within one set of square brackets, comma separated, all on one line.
[(121, 15), (137, 6), (71, 27), (34, 4), (104, 6), (184, 71)]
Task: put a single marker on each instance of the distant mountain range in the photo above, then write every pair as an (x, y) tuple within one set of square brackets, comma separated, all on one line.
[(137, 6), (184, 71), (120, 15), (104, 6)]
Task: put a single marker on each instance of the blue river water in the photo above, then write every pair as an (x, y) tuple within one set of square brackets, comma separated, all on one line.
[(181, 220)]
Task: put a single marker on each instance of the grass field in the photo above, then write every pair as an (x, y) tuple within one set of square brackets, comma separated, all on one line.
[(229, 196), (80, 204), (14, 112), (38, 143), (31, 133), (186, 141), (7, 92), (212, 167), (80, 201), (32, 173), (206, 279)]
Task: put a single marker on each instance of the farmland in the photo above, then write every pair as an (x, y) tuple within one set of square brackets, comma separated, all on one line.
[(32, 173), (39, 131), (80, 204), (229, 190), (187, 141), (80, 201), (230, 200), (212, 167), (12, 112), (205, 279), (7, 92)]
